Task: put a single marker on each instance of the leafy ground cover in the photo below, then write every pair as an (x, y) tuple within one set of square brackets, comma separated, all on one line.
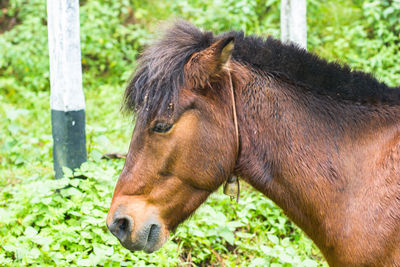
[(49, 222)]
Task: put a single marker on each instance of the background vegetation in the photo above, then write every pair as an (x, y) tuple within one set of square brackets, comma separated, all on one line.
[(39, 226)]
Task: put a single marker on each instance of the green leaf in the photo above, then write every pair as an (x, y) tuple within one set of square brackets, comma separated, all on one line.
[(43, 240), (274, 239), (30, 232), (309, 263), (71, 191), (83, 262), (67, 172), (227, 235), (103, 250), (258, 262)]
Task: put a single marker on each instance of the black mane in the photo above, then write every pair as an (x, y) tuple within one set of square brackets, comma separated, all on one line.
[(160, 74), (297, 66)]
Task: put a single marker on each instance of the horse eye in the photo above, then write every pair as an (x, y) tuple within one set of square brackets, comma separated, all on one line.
[(162, 127)]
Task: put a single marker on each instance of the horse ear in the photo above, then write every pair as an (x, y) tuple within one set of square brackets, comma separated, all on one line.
[(209, 62), (223, 50)]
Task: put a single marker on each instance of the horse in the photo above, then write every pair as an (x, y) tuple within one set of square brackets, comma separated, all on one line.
[(319, 139)]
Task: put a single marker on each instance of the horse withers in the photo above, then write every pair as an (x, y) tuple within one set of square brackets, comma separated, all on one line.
[(320, 140)]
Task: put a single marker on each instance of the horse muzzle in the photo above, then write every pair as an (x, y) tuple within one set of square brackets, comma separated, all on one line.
[(148, 237)]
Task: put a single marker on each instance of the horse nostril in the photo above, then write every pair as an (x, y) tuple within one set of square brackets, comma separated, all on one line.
[(122, 225), (121, 228), (153, 235), (154, 230)]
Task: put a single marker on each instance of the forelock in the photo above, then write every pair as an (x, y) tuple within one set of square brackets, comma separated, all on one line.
[(154, 88)]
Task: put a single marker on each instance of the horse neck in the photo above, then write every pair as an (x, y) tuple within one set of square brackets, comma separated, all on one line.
[(296, 148)]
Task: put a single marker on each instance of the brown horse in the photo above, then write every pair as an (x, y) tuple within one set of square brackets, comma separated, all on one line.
[(320, 140)]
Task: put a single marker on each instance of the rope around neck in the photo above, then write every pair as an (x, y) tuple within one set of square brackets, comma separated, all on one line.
[(232, 186)]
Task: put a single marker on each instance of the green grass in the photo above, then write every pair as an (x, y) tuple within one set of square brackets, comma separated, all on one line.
[(40, 225)]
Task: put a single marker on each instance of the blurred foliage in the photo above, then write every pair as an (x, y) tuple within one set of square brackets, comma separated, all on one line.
[(363, 34), (42, 226), (62, 222)]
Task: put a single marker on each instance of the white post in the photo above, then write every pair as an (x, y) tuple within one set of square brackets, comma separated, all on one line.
[(67, 99), (294, 22)]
